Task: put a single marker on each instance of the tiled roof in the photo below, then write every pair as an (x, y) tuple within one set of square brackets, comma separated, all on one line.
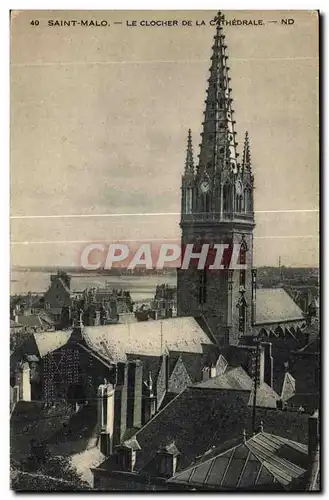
[(146, 337), (50, 341), (265, 461), (198, 418), (274, 305)]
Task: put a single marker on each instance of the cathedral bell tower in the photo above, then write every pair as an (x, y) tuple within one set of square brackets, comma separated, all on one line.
[(217, 208)]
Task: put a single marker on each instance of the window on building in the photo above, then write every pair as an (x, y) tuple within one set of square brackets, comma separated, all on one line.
[(189, 198), (248, 200), (243, 260), (206, 203), (243, 253), (242, 316), (238, 203)]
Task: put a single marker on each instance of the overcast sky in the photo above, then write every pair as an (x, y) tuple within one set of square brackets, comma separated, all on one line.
[(99, 119)]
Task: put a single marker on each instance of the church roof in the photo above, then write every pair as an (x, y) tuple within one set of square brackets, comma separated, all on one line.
[(274, 305), (146, 338)]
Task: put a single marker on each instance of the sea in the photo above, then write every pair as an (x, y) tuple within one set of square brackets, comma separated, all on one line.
[(142, 288)]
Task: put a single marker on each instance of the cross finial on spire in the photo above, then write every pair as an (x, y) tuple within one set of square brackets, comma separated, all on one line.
[(189, 162), (219, 18)]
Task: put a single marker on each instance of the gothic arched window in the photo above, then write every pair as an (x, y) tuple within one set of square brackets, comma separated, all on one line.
[(206, 203), (227, 199), (188, 206), (238, 204), (243, 261), (248, 200)]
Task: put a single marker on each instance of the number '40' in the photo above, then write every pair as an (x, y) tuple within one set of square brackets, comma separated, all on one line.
[(34, 23)]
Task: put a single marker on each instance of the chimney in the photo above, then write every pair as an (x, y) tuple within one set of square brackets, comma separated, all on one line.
[(149, 400), (313, 434), (126, 455), (120, 402), (212, 371), (134, 397), (105, 414), (266, 364), (23, 381), (205, 373), (167, 460), (97, 318)]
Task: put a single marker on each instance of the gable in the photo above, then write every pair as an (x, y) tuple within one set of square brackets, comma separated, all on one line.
[(288, 387), (179, 378)]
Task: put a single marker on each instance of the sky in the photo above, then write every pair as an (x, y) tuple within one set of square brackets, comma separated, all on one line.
[(99, 121)]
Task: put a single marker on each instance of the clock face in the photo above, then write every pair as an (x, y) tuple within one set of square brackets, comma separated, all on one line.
[(238, 187), (204, 186)]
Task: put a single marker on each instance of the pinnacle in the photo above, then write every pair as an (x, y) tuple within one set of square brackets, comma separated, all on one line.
[(189, 162)]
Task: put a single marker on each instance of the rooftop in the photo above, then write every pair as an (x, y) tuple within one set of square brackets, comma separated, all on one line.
[(262, 461), (199, 418), (146, 338), (274, 305)]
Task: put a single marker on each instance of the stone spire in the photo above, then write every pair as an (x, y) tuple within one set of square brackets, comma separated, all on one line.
[(189, 162), (218, 146), (246, 162)]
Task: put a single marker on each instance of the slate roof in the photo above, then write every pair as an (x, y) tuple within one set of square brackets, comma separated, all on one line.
[(198, 418), (237, 379), (265, 461), (233, 378), (146, 337), (274, 305)]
